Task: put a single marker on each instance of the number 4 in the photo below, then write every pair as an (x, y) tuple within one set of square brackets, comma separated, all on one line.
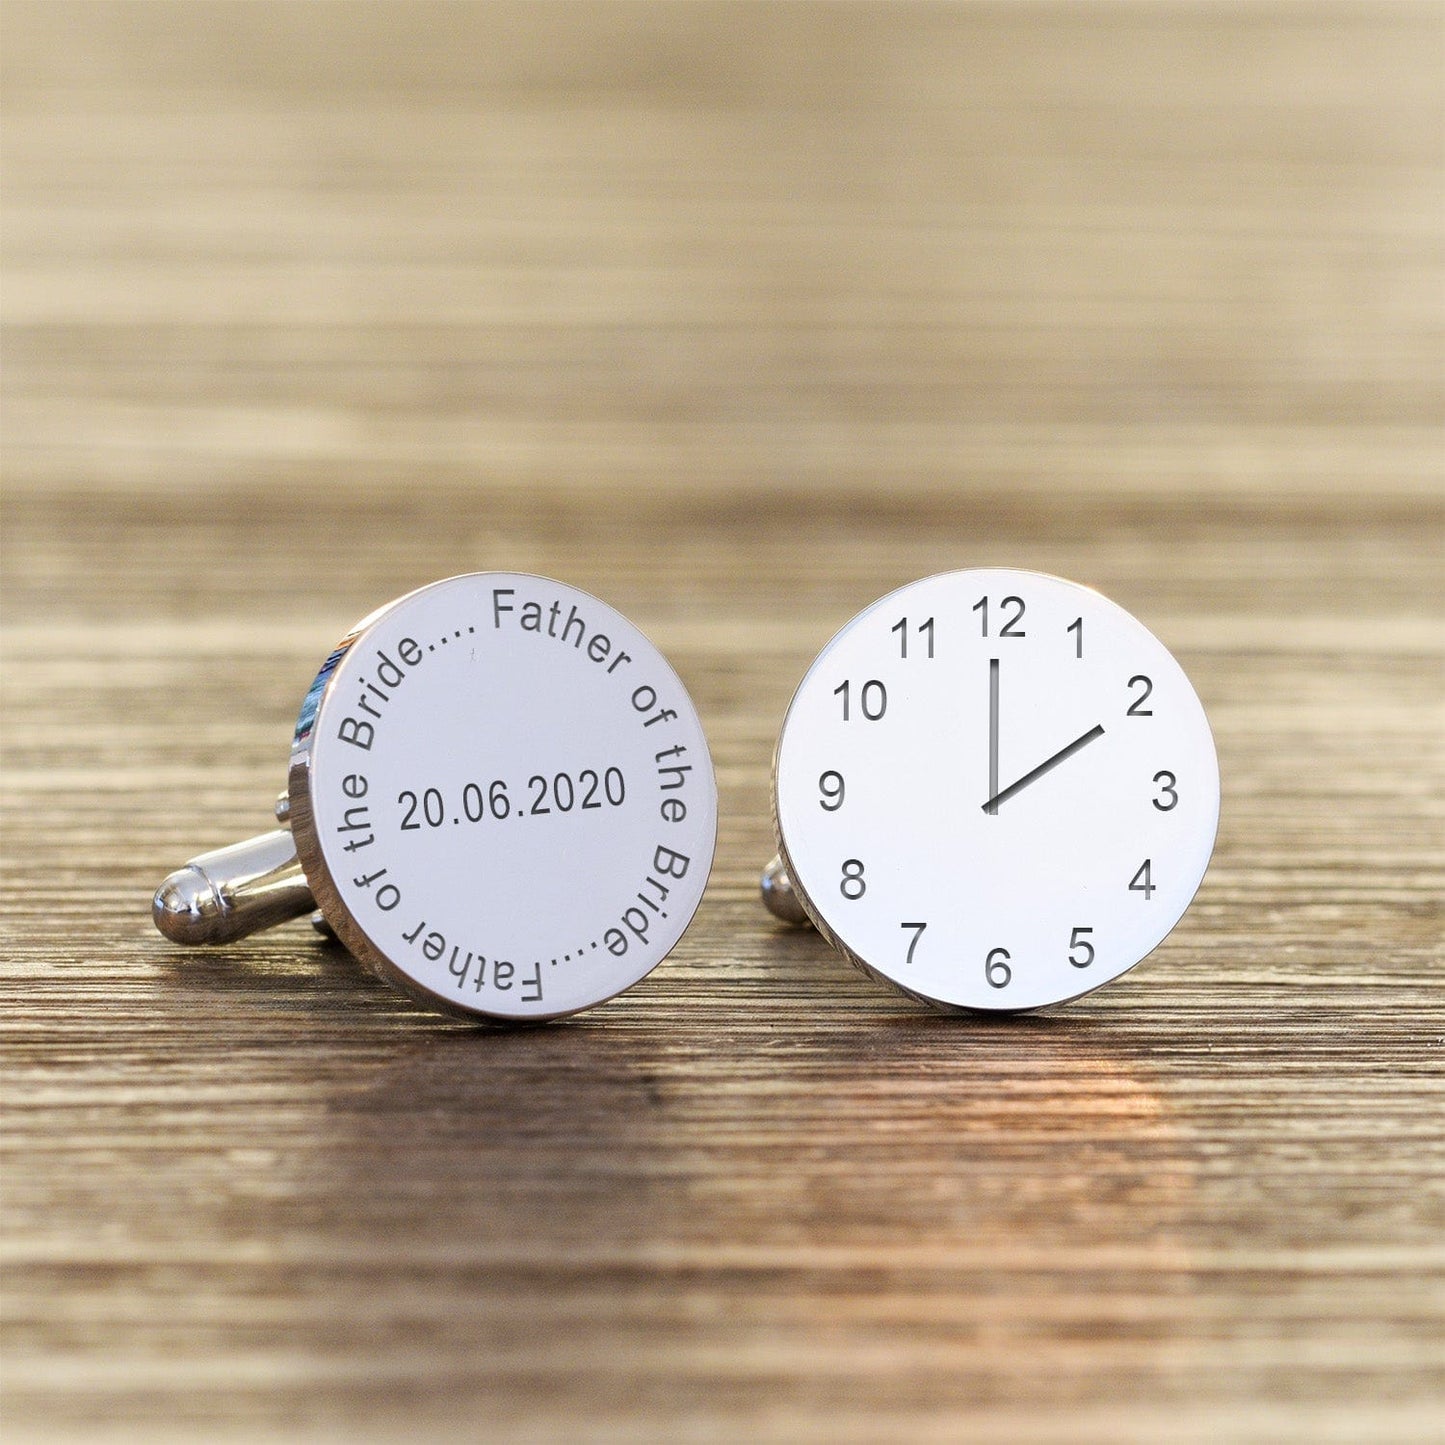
[(1142, 881)]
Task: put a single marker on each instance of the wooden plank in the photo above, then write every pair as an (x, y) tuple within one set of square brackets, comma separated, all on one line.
[(738, 317)]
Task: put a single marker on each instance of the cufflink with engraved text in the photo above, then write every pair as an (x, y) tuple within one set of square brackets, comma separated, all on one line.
[(499, 798)]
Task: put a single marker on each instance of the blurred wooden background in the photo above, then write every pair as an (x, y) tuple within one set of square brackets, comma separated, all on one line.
[(737, 316)]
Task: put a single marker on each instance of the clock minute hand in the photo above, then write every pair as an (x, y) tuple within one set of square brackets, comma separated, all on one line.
[(991, 807), (1048, 764)]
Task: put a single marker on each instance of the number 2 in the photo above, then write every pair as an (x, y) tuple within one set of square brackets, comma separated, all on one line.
[(1137, 708)]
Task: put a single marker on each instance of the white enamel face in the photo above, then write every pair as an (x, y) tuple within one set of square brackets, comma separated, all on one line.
[(503, 798), (996, 789)]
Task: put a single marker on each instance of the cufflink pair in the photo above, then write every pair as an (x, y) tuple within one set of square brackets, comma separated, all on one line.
[(994, 789)]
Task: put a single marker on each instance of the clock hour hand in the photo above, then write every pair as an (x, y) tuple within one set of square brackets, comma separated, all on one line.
[(1048, 764)]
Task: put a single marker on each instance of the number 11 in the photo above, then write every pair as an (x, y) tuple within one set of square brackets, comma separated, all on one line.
[(901, 628)]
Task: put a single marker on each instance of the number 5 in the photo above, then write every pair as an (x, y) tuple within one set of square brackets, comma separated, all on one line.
[(1076, 942)]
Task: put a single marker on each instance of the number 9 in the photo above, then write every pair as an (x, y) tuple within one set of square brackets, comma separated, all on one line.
[(830, 785)]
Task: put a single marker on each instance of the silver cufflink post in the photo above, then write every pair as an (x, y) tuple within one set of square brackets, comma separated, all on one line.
[(779, 896), (226, 894)]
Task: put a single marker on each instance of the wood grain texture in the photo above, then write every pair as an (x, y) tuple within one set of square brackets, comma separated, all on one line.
[(738, 317)]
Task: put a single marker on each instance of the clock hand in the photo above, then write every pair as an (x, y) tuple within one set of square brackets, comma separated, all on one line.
[(1097, 731), (992, 806)]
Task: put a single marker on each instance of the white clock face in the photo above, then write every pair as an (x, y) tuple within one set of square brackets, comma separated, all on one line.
[(996, 789), (502, 797)]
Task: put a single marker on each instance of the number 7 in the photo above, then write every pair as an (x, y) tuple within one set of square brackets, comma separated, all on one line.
[(913, 942)]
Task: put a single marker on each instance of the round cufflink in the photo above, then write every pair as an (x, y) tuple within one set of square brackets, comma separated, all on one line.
[(993, 789), (500, 799)]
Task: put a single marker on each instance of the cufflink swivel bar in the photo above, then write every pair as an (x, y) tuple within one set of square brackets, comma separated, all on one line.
[(228, 893)]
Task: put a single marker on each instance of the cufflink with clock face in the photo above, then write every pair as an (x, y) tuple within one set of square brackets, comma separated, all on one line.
[(994, 789), (500, 799)]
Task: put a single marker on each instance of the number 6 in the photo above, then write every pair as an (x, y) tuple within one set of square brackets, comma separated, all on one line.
[(996, 969)]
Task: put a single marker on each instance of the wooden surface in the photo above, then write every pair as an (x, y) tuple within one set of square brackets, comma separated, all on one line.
[(737, 317)]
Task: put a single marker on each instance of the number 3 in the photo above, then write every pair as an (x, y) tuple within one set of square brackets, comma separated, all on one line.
[(1168, 788)]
